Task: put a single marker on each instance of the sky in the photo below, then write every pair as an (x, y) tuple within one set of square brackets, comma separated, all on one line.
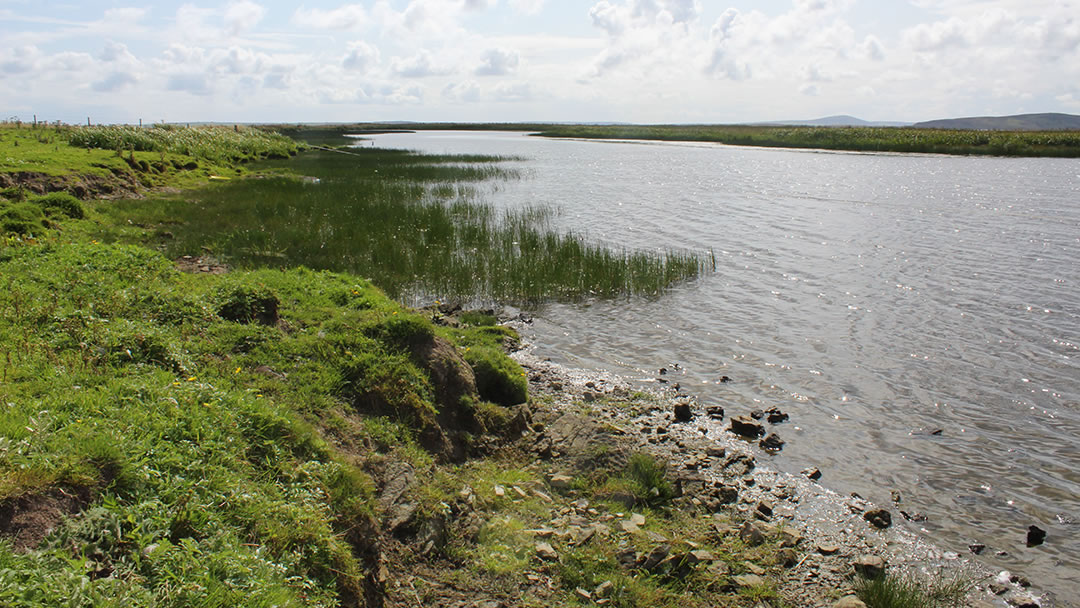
[(641, 61)]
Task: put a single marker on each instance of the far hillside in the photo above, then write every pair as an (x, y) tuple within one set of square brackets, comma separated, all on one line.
[(1020, 122)]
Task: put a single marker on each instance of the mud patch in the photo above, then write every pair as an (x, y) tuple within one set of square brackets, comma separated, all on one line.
[(28, 519), (84, 186), (204, 265)]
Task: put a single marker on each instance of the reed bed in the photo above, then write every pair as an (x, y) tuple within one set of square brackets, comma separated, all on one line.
[(860, 139), (213, 143), (412, 224)]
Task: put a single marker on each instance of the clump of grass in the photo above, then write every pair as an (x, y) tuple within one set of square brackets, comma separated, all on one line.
[(413, 224), (61, 203), (901, 591), (219, 144)]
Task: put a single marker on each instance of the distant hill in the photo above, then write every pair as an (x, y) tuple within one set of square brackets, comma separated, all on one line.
[(1019, 122), (842, 120)]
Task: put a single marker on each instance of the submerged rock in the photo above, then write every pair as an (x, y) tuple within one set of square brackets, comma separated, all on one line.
[(1035, 536), (772, 442), (879, 518)]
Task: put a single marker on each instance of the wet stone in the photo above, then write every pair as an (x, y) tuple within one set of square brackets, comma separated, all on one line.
[(746, 427), (870, 566), (772, 442), (812, 473), (879, 518), (1035, 536)]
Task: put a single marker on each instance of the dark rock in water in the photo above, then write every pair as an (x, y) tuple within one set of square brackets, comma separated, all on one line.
[(725, 379), (896, 497), (663, 371), (772, 442), (1019, 580), (977, 548), (683, 412), (715, 412), (813, 473), (744, 426), (879, 518), (775, 416), (757, 414), (870, 566), (913, 516), (1035, 536), (937, 431)]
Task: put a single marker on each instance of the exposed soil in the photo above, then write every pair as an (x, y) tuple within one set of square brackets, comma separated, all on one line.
[(26, 520), (83, 186)]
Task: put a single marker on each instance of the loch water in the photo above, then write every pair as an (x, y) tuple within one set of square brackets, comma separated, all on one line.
[(918, 316)]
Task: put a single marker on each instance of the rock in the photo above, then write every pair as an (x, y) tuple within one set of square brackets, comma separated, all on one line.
[(850, 601), (546, 552), (789, 538), (1035, 536), (787, 557), (500, 491), (813, 473), (1022, 600), (870, 566), (583, 594), (401, 517), (560, 483), (637, 519), (775, 416), (716, 451), (629, 527), (763, 509), (913, 516), (879, 518), (746, 581), (757, 414), (752, 534), (753, 568), (998, 588), (746, 427), (977, 548), (628, 558), (738, 464), (604, 589), (715, 412), (772, 442), (1019, 580), (683, 413), (827, 549), (657, 555), (623, 498), (700, 555)]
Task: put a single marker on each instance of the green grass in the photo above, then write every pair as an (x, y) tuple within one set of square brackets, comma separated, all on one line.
[(899, 591), (219, 450), (416, 225), (862, 139)]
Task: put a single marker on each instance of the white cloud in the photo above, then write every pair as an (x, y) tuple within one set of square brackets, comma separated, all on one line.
[(191, 82), (344, 17), (360, 56), (528, 7), (242, 15), (513, 91), (462, 92), (20, 60), (419, 65), (115, 52), (114, 82), (498, 62)]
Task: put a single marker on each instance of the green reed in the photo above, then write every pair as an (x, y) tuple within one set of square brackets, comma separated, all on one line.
[(416, 225)]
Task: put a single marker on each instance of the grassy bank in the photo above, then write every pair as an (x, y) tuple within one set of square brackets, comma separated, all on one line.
[(861, 139), (1062, 144)]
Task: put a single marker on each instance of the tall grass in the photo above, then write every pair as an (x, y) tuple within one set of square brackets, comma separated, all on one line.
[(898, 591), (219, 144), (413, 224)]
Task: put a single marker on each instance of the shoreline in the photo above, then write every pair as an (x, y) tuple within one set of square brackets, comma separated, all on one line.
[(833, 528)]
